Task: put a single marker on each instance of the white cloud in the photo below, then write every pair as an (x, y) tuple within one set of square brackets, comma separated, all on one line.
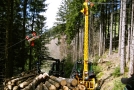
[(52, 9)]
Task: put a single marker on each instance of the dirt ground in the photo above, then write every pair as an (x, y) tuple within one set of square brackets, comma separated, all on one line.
[(108, 64)]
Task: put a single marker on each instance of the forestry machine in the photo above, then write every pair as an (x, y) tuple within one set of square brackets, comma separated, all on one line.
[(57, 67), (82, 69)]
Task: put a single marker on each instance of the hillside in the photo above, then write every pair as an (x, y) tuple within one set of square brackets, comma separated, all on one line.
[(109, 75)]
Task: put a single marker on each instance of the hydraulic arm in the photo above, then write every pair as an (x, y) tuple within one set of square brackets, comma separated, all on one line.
[(85, 12), (88, 78)]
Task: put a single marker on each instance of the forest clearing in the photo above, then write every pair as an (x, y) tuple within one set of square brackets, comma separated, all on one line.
[(89, 47)]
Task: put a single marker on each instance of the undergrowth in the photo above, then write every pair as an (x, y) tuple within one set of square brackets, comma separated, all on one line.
[(96, 69), (118, 85), (116, 72)]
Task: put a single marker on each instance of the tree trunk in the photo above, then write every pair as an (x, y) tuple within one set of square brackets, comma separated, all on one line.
[(111, 35), (128, 48), (23, 35), (78, 44), (8, 49), (122, 59), (81, 44), (131, 64), (100, 42), (129, 21), (120, 29), (91, 35), (31, 49)]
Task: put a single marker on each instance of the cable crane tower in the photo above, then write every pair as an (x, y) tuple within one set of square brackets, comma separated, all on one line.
[(82, 70)]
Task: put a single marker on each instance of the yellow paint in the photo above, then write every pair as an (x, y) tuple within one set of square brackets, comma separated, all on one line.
[(88, 82), (85, 12)]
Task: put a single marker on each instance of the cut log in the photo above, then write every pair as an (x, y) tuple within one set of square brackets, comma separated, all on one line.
[(56, 84), (73, 82), (33, 83), (62, 81), (45, 75), (37, 80), (16, 88), (76, 88), (9, 86), (6, 88), (17, 81), (22, 85), (9, 82), (25, 77), (26, 83), (14, 81), (65, 88), (70, 87), (42, 82), (44, 87), (39, 87), (50, 86), (27, 88)]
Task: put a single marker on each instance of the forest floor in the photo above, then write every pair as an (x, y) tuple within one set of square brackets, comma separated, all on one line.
[(109, 75)]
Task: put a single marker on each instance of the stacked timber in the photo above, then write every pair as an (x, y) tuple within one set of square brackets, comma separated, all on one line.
[(41, 82)]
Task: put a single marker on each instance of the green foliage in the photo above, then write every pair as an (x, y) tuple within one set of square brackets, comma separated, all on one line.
[(55, 30), (18, 18), (116, 72), (118, 85), (69, 17), (68, 66), (74, 19), (100, 74), (108, 63), (96, 69), (126, 69)]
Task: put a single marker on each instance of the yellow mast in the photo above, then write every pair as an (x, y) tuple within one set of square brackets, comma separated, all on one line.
[(88, 82), (85, 12)]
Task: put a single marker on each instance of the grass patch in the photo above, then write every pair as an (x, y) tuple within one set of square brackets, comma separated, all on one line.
[(104, 56), (96, 69), (116, 72), (126, 69), (116, 51), (108, 63), (118, 85), (99, 75)]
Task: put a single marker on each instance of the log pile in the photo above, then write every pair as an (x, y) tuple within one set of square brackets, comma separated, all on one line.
[(41, 82)]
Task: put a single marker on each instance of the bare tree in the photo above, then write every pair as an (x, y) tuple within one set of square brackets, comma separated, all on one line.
[(123, 15), (111, 35), (128, 48), (120, 28), (131, 65), (100, 41)]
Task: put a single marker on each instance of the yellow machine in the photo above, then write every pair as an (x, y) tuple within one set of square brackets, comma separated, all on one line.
[(84, 73)]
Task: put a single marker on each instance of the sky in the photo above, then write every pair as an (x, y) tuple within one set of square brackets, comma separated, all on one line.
[(52, 9)]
